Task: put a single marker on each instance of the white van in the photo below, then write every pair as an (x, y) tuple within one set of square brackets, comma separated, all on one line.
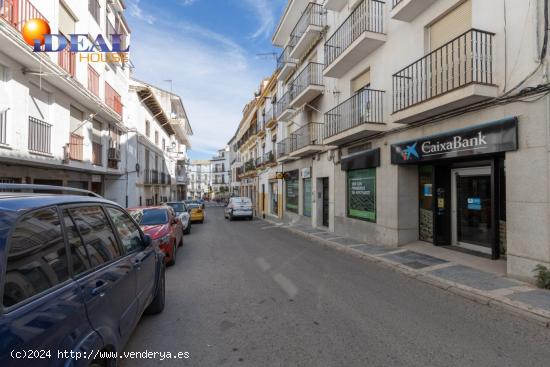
[(239, 207)]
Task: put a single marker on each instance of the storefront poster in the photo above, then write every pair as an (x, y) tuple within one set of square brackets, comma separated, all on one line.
[(292, 191), (362, 194)]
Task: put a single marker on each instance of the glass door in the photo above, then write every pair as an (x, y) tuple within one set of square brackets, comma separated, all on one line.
[(472, 209), (307, 197)]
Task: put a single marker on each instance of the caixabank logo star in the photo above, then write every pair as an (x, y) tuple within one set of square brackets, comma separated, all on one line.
[(37, 33)]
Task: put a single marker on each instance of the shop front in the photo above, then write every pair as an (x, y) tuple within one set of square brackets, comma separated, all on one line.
[(462, 185)]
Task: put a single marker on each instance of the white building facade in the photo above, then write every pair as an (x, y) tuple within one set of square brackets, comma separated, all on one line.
[(61, 119), (417, 120), (200, 179)]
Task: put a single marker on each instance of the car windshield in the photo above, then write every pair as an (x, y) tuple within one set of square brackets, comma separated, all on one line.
[(242, 201), (178, 207), (193, 205), (150, 217)]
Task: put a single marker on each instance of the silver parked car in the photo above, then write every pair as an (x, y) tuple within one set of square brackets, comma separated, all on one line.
[(182, 212), (239, 207)]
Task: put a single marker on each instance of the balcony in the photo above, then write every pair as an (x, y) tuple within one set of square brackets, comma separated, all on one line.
[(93, 81), (250, 165), (408, 10), (358, 36), (76, 147), (455, 75), (307, 85), (284, 111), (307, 30), (285, 64), (97, 154), (284, 147), (269, 158), (113, 99), (270, 118), (360, 116), (151, 177), (40, 136), (309, 140)]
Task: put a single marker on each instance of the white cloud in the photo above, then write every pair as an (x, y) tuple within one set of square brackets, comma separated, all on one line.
[(265, 11), (212, 73), (187, 2), (137, 12)]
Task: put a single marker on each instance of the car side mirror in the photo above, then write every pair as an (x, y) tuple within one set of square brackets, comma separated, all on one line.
[(147, 241)]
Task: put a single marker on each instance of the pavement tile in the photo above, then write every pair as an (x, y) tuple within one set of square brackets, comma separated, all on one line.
[(536, 298), (473, 278), (346, 241), (414, 260), (374, 249)]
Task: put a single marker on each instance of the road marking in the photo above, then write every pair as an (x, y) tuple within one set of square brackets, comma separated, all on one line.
[(286, 284), (263, 264)]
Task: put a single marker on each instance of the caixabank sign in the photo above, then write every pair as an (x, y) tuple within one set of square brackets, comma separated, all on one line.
[(493, 137)]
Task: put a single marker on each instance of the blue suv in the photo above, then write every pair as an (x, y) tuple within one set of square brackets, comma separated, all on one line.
[(76, 275)]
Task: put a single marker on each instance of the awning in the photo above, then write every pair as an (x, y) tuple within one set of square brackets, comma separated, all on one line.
[(365, 159)]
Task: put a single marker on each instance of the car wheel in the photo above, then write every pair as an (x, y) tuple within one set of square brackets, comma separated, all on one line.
[(188, 229), (173, 259), (157, 305)]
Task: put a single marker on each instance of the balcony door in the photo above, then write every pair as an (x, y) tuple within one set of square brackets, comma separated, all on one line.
[(451, 63)]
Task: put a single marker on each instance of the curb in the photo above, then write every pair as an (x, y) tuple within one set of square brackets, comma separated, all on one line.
[(541, 317)]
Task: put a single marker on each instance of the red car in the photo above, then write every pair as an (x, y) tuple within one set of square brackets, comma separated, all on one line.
[(163, 226)]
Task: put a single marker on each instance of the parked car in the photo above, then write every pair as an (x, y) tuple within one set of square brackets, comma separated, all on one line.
[(183, 213), (239, 207), (77, 274), (197, 212), (201, 203), (163, 226)]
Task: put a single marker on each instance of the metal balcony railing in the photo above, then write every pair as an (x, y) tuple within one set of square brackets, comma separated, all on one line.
[(76, 147), (162, 178), (250, 165), (259, 161), (285, 146), (18, 12), (284, 102), (284, 57), (310, 134), (40, 136), (315, 15), (93, 81), (97, 154), (366, 106), (467, 59), (367, 17), (312, 74), (396, 2), (151, 177), (269, 113), (268, 157), (67, 60), (3, 126)]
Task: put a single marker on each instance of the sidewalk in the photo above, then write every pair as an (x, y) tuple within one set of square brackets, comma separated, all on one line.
[(449, 270)]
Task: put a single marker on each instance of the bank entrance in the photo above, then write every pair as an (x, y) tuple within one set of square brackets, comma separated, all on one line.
[(462, 185)]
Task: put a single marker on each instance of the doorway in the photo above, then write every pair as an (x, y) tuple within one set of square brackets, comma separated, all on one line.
[(472, 208), (325, 201)]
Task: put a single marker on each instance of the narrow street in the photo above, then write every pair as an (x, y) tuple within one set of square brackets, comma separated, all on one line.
[(248, 294)]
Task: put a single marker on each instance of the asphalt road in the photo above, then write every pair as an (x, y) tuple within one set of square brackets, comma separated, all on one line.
[(241, 294)]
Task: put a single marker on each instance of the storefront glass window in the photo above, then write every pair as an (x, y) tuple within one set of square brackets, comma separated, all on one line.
[(292, 189), (307, 197), (425, 174), (362, 194)]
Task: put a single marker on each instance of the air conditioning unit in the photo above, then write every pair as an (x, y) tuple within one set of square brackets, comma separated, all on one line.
[(114, 154)]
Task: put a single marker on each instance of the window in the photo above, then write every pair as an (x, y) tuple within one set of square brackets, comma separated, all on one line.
[(362, 194), (291, 192), (97, 234), (128, 232), (95, 9), (156, 137), (37, 260), (163, 144), (452, 25), (81, 262), (147, 129), (361, 81)]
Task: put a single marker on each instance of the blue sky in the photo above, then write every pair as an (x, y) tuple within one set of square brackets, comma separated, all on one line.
[(209, 49)]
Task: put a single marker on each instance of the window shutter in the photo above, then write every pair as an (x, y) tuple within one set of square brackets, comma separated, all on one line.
[(360, 81), (66, 21), (39, 101), (452, 25), (96, 131)]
